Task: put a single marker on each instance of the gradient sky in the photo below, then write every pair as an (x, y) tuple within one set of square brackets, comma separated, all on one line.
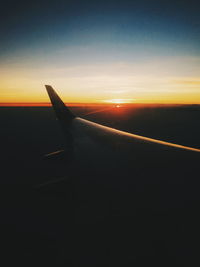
[(96, 51)]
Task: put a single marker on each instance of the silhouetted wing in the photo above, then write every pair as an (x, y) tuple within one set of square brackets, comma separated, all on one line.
[(81, 130)]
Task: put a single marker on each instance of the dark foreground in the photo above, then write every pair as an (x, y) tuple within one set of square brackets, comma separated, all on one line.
[(81, 221)]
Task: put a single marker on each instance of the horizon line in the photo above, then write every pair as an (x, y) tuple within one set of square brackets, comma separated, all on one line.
[(48, 104)]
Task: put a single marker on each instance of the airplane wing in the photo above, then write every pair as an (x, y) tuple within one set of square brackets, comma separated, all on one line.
[(80, 130), (126, 191)]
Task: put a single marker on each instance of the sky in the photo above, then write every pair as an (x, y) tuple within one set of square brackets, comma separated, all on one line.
[(100, 51)]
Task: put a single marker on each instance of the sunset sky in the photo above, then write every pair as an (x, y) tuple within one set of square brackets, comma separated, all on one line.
[(100, 51)]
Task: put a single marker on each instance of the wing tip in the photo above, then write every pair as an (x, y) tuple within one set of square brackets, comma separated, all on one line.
[(48, 87), (59, 106)]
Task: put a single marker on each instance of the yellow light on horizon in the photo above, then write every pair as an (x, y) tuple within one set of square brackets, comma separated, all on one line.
[(119, 101), (98, 84)]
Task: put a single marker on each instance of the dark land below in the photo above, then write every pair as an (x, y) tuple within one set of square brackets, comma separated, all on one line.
[(62, 225)]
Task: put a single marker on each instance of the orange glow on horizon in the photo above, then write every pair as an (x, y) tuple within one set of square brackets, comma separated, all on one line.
[(28, 99)]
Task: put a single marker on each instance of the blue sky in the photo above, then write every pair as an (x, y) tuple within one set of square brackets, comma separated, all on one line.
[(78, 44)]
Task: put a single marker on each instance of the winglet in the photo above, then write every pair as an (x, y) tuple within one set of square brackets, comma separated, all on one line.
[(62, 112)]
